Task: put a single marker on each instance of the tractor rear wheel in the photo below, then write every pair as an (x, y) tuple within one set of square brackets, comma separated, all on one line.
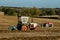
[(24, 28)]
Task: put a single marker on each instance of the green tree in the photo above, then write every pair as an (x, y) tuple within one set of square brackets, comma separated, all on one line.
[(9, 12), (51, 12), (36, 11), (4, 10)]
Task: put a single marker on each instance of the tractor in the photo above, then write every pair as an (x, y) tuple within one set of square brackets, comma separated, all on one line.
[(24, 24)]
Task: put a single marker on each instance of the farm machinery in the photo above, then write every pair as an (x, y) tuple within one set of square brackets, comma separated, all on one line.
[(24, 24)]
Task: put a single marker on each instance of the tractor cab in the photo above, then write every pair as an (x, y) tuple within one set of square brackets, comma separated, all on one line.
[(22, 20), (23, 23)]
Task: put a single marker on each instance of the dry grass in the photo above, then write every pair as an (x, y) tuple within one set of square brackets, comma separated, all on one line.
[(12, 20), (29, 36), (56, 22), (6, 21), (32, 38)]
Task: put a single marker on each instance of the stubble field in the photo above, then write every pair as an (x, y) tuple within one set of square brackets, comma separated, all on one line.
[(42, 34)]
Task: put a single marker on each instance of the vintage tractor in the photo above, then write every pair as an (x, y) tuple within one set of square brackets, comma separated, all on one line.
[(24, 24)]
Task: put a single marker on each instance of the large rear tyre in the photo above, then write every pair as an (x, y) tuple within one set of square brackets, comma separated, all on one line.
[(24, 28)]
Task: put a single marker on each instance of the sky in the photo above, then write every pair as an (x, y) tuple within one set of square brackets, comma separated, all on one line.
[(31, 3)]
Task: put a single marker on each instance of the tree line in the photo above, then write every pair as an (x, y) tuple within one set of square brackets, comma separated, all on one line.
[(30, 11)]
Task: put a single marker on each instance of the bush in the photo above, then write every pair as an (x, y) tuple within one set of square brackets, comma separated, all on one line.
[(8, 11)]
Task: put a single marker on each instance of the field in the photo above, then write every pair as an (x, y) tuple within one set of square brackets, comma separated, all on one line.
[(42, 34)]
